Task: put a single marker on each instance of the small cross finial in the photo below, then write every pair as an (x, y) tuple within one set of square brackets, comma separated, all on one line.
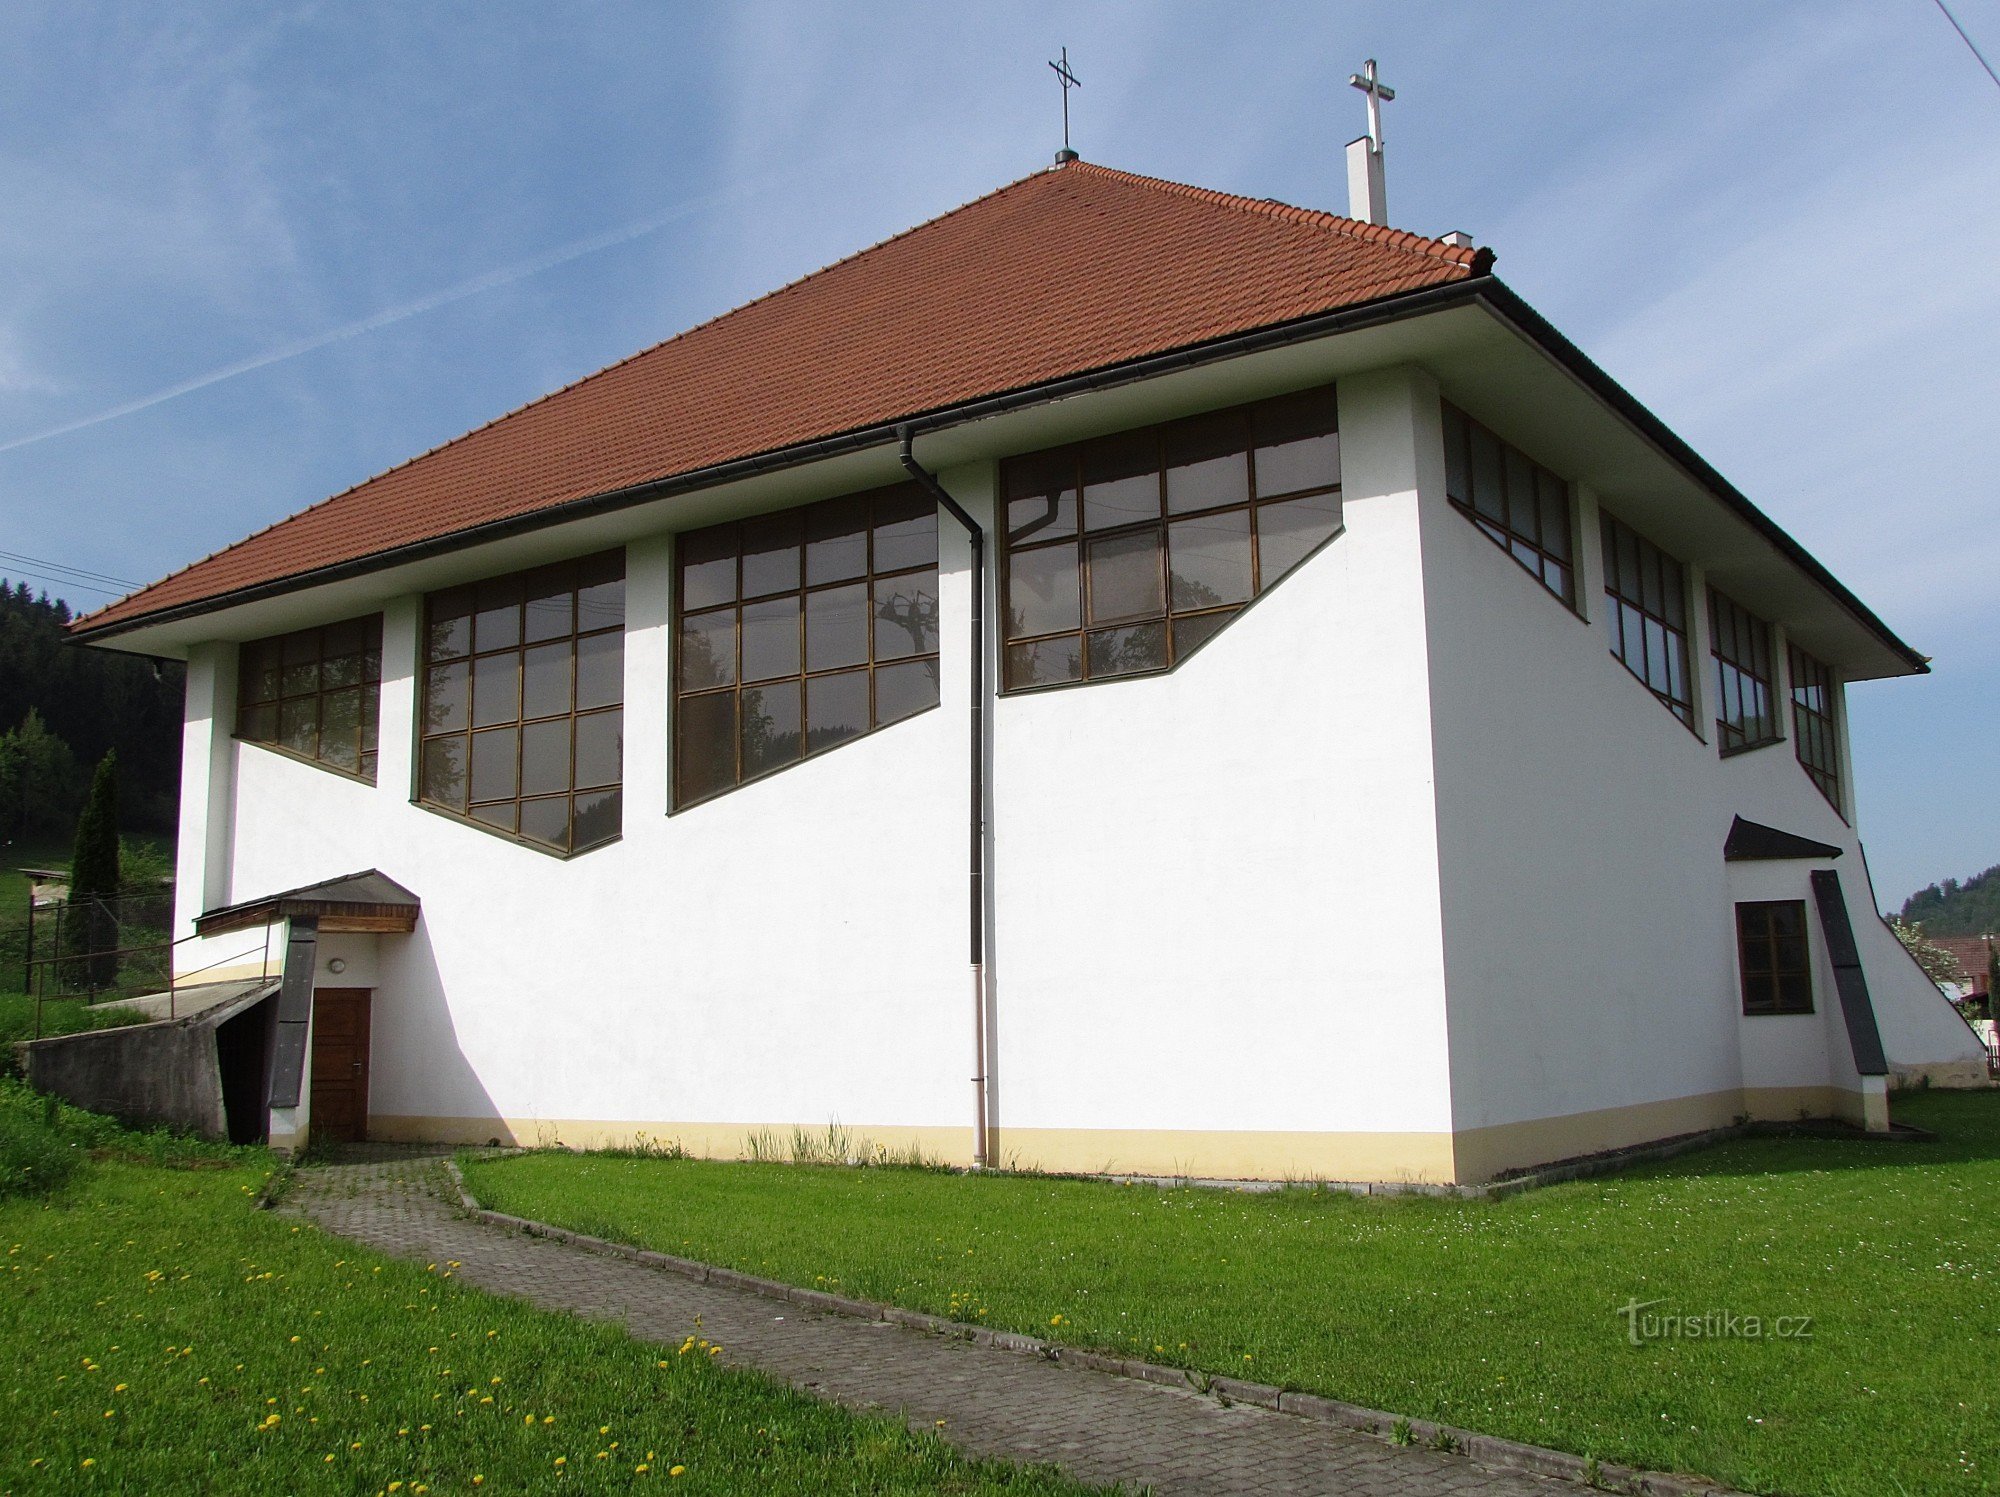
[(1069, 81), (1377, 92)]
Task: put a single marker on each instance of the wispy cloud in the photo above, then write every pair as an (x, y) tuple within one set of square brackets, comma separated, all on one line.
[(506, 275)]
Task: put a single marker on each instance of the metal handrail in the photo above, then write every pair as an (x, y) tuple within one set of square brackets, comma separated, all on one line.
[(174, 980)]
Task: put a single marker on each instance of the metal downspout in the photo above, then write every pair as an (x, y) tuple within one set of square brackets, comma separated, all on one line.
[(977, 867)]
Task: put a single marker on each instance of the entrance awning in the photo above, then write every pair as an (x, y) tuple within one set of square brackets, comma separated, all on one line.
[(369, 902)]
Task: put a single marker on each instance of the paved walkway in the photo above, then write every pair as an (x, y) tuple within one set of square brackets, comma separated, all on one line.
[(1100, 1428)]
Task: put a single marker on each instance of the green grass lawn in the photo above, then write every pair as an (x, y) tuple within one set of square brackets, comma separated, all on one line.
[(160, 1335), (1497, 1316)]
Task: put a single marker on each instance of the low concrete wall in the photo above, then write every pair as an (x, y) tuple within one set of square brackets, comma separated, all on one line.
[(149, 1075)]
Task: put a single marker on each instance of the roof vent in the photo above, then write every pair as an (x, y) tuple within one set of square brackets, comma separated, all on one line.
[(1457, 239)]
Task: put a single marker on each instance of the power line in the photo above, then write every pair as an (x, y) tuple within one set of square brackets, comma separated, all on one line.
[(61, 583), (1971, 45), (82, 573)]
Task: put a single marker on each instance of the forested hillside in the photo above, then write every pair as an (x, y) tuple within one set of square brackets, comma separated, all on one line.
[(1954, 909), (61, 707)]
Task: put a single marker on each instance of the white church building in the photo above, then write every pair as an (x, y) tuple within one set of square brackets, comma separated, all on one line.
[(1120, 677)]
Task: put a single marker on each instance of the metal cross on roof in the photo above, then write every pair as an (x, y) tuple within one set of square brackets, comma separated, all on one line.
[(1069, 81), (1377, 92)]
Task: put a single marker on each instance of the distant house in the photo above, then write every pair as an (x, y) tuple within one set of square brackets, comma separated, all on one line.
[(1231, 680), (1972, 954)]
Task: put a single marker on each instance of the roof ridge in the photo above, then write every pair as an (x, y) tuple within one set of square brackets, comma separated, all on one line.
[(579, 381), (1401, 239)]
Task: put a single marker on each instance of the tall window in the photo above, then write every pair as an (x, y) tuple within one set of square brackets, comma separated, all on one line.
[(524, 687), (314, 693), (1813, 723), (1773, 958), (1648, 592), (1521, 506), (1746, 707), (1178, 526), (801, 630)]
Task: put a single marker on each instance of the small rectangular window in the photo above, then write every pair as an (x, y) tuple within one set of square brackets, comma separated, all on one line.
[(1182, 524), (1648, 615), (1813, 723), (1517, 504), (1746, 707), (1774, 956), (315, 694), (802, 630)]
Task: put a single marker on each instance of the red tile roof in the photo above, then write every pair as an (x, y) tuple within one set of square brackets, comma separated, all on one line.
[(1970, 952), (1074, 269)]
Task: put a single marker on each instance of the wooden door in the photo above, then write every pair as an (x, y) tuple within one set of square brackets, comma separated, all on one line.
[(340, 1064)]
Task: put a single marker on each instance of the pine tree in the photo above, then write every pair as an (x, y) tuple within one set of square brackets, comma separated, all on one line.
[(94, 879)]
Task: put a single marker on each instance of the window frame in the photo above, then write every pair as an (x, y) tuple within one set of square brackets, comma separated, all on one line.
[(903, 495), (1200, 623), (610, 567), (1776, 1006), (1811, 725), (1612, 533), (368, 683), (1725, 646), (1501, 529)]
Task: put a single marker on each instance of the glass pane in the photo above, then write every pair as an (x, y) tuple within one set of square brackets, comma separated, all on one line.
[(836, 627), (1192, 632), (450, 624), (600, 749), (836, 709), (1674, 580), (905, 530), (301, 647), (545, 679), (504, 815), (259, 724), (708, 567), (837, 540), (545, 757), (497, 625), (368, 766), (1287, 533), (1524, 516), (340, 729), (551, 605), (1045, 662), (705, 744), (298, 725), (901, 690), (1207, 462), (496, 689), (1125, 578), (1486, 493), (771, 638), (1042, 591), (1757, 956), (1457, 456), (442, 781), (260, 671), (1795, 992), (547, 821), (1553, 502), (600, 671), (1559, 580), (771, 554), (1209, 560), (598, 819), (301, 679), (1298, 442), (1120, 652), (1041, 497), (347, 637), (906, 615), (771, 723), (1121, 480), (445, 697), (1787, 919), (341, 670), (708, 649), (496, 764), (600, 595)]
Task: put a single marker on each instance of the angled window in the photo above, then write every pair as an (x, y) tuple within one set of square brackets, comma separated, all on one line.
[(1813, 723), (799, 631), (1773, 958), (1648, 593), (314, 694), (522, 727), (1517, 504), (1125, 553), (1746, 704)]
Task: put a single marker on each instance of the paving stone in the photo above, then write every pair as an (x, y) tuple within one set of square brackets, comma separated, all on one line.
[(1102, 1429)]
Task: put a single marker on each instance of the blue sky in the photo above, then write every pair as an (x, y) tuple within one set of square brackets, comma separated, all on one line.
[(1774, 223)]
